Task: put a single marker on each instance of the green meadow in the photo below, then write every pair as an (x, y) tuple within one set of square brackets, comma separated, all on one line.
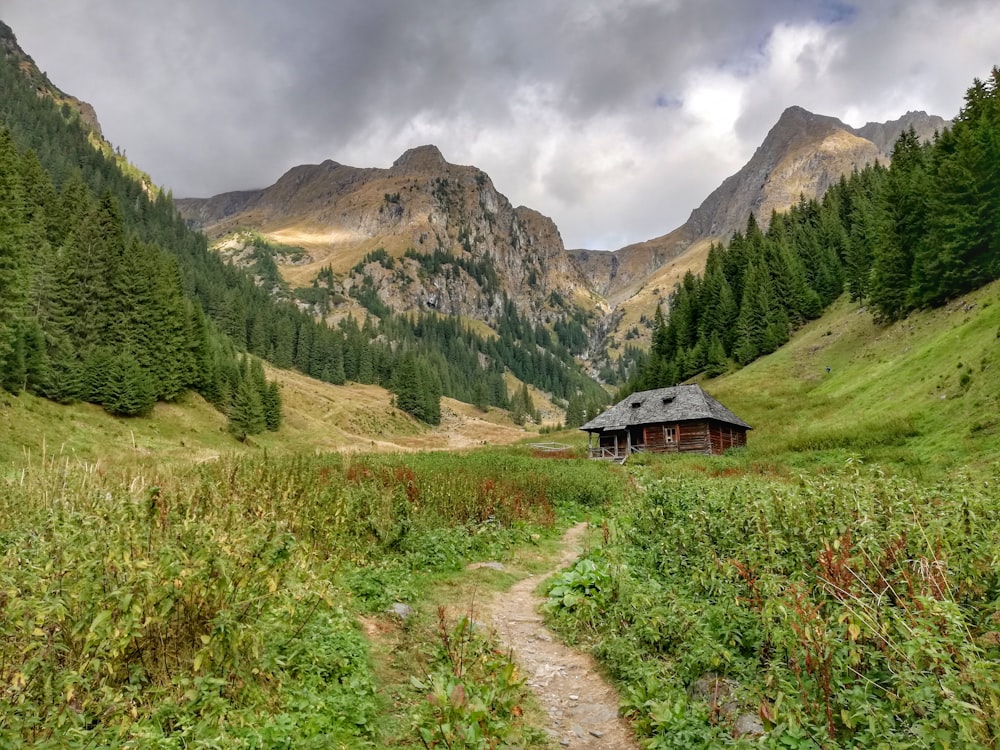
[(838, 576)]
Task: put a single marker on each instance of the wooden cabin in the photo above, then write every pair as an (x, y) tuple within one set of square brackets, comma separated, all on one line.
[(682, 418)]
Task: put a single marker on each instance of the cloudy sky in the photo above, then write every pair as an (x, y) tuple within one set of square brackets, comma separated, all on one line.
[(614, 117)]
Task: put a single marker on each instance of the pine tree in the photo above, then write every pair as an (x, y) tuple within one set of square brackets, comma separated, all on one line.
[(271, 402), (13, 368), (13, 266), (413, 391), (481, 394), (716, 362), (904, 198), (128, 391), (246, 412), (366, 364), (575, 412)]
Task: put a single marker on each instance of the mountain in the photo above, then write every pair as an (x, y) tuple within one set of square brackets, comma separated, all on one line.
[(337, 216), (423, 235), (802, 155)]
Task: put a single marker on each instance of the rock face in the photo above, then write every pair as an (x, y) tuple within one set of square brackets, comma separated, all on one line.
[(454, 244)]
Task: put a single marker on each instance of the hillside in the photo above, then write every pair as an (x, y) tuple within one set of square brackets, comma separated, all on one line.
[(317, 417), (922, 394)]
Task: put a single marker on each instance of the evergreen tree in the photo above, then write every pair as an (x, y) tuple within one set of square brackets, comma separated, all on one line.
[(13, 266), (246, 412), (128, 390), (271, 402), (904, 196), (715, 360), (575, 411), (366, 364), (415, 391), (481, 397)]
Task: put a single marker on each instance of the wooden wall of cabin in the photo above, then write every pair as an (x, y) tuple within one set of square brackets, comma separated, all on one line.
[(693, 437), (687, 437), (725, 436)]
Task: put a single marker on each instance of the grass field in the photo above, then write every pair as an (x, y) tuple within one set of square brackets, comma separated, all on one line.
[(165, 585), (318, 417)]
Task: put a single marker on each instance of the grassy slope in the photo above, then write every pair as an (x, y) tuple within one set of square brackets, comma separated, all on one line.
[(922, 394), (318, 417)]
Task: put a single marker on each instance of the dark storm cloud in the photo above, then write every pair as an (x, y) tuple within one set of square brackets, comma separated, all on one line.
[(615, 118)]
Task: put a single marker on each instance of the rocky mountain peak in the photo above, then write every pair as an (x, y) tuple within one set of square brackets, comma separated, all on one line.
[(797, 127), (884, 134), (420, 159)]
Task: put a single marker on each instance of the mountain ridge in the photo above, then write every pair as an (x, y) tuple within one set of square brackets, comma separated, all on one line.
[(802, 154), (9, 47), (421, 205)]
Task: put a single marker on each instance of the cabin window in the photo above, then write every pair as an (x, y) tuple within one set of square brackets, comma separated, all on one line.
[(670, 434), (668, 399), (636, 404)]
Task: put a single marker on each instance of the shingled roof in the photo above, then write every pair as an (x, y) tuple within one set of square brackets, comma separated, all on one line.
[(678, 403)]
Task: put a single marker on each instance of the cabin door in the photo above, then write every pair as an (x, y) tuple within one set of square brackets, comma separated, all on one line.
[(635, 438)]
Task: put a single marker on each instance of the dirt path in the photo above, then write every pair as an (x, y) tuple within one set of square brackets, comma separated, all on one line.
[(582, 707)]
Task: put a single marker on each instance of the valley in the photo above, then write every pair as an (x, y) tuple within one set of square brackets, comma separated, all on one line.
[(270, 473)]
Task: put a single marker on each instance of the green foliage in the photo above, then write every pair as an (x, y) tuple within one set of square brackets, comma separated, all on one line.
[(255, 404), (126, 620), (92, 306), (128, 391), (853, 609), (473, 692), (417, 390), (246, 411), (522, 407), (582, 593), (378, 255), (441, 262)]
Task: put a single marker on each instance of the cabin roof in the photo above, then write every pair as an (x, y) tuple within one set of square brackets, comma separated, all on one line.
[(678, 403)]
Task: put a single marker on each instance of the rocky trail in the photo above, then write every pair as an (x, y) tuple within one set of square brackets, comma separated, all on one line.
[(582, 707)]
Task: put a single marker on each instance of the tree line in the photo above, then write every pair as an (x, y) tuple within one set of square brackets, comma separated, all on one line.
[(899, 238)]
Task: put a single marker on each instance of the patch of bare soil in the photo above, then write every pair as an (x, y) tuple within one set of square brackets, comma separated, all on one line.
[(582, 706)]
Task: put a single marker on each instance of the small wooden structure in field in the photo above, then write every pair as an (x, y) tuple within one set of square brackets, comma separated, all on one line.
[(682, 418)]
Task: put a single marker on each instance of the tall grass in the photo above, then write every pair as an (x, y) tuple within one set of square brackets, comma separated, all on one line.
[(216, 604)]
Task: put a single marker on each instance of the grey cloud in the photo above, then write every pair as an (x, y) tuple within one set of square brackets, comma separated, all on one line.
[(228, 94)]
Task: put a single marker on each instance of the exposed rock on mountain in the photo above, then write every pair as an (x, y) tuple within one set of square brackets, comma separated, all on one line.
[(451, 242)]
